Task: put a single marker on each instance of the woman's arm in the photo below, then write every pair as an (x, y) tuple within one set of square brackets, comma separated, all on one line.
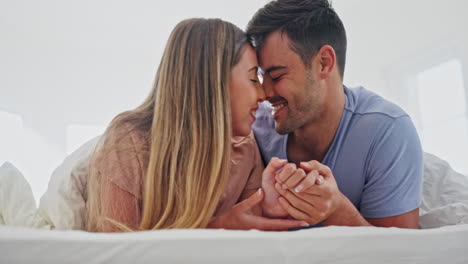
[(120, 210), (118, 169)]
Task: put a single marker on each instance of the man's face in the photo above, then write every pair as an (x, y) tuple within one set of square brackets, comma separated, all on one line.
[(291, 88)]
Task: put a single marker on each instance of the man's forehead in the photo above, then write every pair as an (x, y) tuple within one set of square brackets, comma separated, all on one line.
[(274, 52)]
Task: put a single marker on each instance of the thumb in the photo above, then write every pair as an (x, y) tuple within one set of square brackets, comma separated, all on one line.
[(273, 166), (253, 200)]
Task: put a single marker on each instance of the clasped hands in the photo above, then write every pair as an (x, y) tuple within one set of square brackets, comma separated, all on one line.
[(308, 193)]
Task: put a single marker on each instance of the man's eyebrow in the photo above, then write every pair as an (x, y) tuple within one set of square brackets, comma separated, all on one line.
[(274, 68)]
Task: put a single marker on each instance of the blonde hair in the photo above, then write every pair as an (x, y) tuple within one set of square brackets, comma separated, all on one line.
[(188, 115)]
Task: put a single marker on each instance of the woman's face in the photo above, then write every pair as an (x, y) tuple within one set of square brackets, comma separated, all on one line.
[(245, 91)]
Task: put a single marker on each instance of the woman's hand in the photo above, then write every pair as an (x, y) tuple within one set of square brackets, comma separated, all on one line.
[(245, 216), (271, 206)]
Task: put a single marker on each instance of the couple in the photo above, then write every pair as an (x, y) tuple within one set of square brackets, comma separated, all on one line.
[(187, 157)]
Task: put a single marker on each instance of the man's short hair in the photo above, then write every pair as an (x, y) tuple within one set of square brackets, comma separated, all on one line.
[(309, 24)]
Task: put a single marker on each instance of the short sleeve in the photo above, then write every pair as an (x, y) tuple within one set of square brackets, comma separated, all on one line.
[(120, 162), (393, 182), (255, 177), (123, 158)]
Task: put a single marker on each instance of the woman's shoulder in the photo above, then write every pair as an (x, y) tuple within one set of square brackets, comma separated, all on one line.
[(123, 146), (125, 136), (244, 147), (122, 156)]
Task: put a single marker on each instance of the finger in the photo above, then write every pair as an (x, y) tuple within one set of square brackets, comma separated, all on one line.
[(308, 181), (274, 165), (252, 201), (319, 203), (294, 212), (286, 172), (320, 180), (304, 205), (324, 189), (295, 179), (278, 171), (323, 170), (267, 224)]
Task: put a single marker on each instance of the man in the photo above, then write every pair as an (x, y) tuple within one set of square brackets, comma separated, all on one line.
[(355, 159)]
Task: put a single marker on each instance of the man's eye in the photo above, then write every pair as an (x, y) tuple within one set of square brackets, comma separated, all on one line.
[(275, 79)]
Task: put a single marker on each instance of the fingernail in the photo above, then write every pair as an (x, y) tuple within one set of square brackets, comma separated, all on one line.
[(316, 173), (285, 187), (283, 160), (259, 192), (305, 224), (298, 188)]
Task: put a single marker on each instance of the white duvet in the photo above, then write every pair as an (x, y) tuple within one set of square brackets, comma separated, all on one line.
[(443, 216)]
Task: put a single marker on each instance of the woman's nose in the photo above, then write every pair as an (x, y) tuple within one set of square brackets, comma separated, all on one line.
[(260, 94)]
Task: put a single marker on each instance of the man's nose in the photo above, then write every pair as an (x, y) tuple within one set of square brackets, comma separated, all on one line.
[(268, 88)]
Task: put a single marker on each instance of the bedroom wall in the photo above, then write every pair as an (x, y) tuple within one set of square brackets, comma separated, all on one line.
[(68, 67)]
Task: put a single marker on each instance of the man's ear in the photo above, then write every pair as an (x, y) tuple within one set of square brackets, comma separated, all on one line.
[(326, 61)]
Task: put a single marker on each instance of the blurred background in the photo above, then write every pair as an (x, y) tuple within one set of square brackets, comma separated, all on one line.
[(68, 67)]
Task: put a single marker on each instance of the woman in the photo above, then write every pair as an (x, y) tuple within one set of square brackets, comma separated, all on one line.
[(186, 156)]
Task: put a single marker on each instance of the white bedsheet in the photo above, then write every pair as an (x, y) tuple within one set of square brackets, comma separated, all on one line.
[(320, 245)]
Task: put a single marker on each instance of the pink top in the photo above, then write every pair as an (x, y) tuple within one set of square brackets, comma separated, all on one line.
[(123, 164)]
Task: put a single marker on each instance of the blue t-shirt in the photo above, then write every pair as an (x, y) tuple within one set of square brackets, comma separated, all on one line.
[(376, 156)]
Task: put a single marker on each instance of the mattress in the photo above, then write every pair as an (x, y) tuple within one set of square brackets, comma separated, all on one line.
[(318, 245)]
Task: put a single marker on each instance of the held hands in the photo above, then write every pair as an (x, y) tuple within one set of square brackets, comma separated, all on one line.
[(246, 215), (270, 206), (308, 193)]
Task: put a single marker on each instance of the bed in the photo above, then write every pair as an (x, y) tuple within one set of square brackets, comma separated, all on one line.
[(320, 245), (51, 232)]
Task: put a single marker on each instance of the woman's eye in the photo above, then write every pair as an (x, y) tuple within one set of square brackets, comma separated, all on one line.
[(253, 80)]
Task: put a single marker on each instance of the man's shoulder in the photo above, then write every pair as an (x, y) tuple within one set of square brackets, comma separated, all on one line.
[(370, 120), (363, 102)]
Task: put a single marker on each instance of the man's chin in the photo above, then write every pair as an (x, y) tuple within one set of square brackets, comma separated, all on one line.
[(281, 129)]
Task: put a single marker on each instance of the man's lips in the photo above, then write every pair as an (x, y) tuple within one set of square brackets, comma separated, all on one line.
[(278, 108), (276, 100), (278, 103)]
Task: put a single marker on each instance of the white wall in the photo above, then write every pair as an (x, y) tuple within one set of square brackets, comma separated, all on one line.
[(80, 63)]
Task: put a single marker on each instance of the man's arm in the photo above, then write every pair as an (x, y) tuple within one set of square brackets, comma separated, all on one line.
[(391, 193), (406, 220), (350, 216), (324, 203)]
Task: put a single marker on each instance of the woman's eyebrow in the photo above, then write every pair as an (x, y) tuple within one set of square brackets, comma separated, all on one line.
[(253, 68)]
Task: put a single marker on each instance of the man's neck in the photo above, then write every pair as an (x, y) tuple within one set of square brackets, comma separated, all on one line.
[(313, 140)]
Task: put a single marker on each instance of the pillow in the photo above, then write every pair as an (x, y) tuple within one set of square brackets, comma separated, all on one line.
[(63, 205), (17, 204), (445, 195)]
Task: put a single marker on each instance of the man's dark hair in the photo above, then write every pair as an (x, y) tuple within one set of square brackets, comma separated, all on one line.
[(309, 24)]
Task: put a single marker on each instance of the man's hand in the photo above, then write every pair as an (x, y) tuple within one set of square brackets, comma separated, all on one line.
[(243, 217), (314, 197)]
